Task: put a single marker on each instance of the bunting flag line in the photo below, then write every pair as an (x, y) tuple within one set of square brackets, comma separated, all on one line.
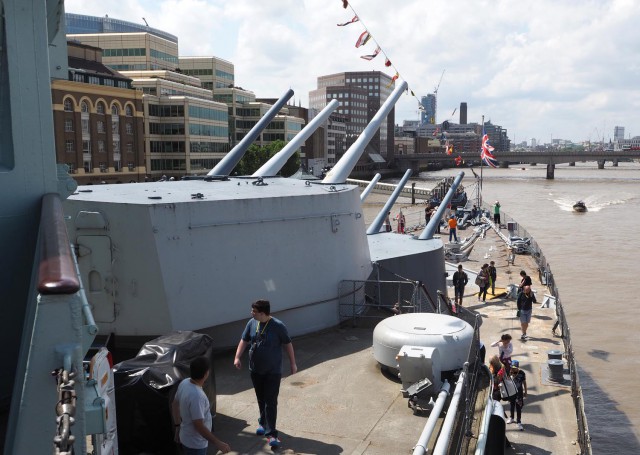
[(363, 38), (355, 19), (371, 56), (485, 154), (393, 79)]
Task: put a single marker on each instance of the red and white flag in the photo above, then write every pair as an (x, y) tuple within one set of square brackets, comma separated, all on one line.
[(362, 40), (371, 56)]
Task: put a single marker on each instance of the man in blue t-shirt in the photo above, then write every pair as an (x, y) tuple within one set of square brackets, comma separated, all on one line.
[(265, 336)]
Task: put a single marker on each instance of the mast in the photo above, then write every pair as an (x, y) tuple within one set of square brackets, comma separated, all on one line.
[(481, 160)]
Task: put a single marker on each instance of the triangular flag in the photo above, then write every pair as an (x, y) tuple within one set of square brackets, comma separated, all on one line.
[(355, 19), (363, 38), (345, 3), (393, 79), (371, 56), (387, 62)]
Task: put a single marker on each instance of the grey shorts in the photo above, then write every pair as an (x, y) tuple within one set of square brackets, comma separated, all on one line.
[(525, 316)]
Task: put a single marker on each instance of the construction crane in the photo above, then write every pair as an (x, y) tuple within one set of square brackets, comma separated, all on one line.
[(435, 94)]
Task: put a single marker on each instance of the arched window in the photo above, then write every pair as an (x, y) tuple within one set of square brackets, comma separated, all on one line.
[(128, 111), (84, 107), (68, 105), (100, 107), (114, 110)]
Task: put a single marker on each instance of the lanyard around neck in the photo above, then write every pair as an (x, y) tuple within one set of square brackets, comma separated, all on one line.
[(263, 329)]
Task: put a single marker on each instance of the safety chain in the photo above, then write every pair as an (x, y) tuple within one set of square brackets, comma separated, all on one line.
[(65, 412)]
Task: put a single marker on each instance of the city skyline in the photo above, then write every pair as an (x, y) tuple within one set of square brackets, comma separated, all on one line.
[(541, 70)]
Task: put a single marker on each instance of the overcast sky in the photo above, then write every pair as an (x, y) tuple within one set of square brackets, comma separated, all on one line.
[(542, 69)]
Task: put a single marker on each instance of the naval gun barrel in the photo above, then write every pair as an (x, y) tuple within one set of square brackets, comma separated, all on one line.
[(275, 163), (374, 227), (369, 187), (430, 229), (231, 159), (343, 168)]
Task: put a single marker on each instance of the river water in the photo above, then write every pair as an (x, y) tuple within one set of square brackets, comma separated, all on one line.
[(595, 258)]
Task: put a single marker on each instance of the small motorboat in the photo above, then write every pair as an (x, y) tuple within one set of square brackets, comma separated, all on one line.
[(580, 206)]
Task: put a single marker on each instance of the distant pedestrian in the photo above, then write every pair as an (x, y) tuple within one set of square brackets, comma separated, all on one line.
[(428, 211), (191, 412), (453, 224), (505, 349), (266, 336), (493, 274), (401, 220), (474, 213), (387, 223), (496, 213), (525, 308), (517, 402), (482, 281), (460, 280), (525, 280)]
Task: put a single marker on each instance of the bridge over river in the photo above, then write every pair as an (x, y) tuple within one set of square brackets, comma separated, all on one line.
[(550, 158)]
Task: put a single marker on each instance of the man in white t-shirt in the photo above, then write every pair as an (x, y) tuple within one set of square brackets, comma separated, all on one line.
[(192, 412)]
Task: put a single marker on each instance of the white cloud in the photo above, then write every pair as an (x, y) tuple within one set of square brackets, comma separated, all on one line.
[(538, 68)]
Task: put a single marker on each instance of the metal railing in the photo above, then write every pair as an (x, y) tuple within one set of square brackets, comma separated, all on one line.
[(546, 277)]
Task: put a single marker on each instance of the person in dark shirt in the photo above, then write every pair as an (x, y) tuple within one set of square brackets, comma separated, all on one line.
[(460, 280), (493, 274), (525, 308), (525, 280), (266, 337)]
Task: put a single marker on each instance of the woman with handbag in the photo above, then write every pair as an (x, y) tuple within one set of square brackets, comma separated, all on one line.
[(517, 402), (482, 281)]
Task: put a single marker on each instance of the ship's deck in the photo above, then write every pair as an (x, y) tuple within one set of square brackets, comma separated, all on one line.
[(339, 402)]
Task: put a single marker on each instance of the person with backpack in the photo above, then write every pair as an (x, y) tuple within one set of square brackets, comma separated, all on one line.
[(517, 403)]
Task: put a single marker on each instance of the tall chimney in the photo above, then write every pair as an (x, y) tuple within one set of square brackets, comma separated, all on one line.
[(463, 113)]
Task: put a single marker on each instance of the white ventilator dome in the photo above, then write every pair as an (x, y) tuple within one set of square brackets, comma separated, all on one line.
[(450, 335)]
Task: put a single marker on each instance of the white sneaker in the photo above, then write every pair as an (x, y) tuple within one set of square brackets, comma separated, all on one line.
[(520, 427), (510, 420)]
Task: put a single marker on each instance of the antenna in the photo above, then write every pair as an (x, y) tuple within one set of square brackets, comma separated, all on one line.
[(145, 22)]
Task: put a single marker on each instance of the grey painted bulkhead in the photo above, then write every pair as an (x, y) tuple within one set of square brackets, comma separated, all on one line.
[(191, 264)]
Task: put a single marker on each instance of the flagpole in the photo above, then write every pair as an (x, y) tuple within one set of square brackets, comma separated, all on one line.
[(481, 160)]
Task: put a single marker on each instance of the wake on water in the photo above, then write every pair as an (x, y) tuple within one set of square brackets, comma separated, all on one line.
[(594, 203)]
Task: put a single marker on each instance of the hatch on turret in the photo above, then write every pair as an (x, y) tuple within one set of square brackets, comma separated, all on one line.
[(94, 262)]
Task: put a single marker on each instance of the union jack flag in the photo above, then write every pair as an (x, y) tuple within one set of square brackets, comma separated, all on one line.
[(485, 154)]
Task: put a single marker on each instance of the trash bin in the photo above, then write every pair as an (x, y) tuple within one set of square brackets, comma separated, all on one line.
[(145, 386)]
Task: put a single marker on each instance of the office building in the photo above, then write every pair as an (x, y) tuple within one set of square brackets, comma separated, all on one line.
[(360, 95), (213, 72), (428, 111)]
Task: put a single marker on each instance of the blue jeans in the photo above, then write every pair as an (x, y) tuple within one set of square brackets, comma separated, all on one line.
[(452, 233), (188, 451), (267, 388)]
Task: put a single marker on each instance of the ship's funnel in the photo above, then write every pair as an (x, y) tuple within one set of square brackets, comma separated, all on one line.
[(370, 187), (231, 159), (430, 229), (343, 168), (275, 163), (374, 228)]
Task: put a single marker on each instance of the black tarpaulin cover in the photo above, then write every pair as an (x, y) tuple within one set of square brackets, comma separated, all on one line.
[(145, 386)]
